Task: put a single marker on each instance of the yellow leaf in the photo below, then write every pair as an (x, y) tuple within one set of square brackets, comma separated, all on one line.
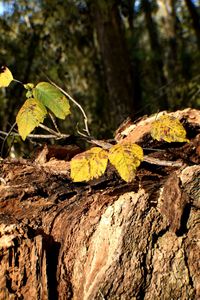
[(169, 129), (30, 115), (126, 158), (89, 164), (5, 76), (29, 86)]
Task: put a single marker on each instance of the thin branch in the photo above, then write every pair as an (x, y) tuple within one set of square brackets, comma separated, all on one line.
[(49, 136), (39, 136), (167, 163), (10, 145), (49, 130), (101, 143), (92, 140), (7, 135), (76, 103), (54, 122), (153, 149), (148, 159)]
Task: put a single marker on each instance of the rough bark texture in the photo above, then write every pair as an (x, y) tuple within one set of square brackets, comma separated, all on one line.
[(106, 239)]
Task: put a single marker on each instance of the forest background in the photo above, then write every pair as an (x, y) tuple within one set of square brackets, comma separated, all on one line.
[(117, 58)]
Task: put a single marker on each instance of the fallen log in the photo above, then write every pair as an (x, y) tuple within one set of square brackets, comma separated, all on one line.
[(105, 239)]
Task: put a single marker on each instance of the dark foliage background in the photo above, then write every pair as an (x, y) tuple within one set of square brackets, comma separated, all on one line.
[(117, 58)]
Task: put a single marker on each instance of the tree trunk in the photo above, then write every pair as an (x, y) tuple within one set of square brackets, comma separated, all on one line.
[(112, 46), (195, 19), (105, 239), (157, 60), (170, 22), (11, 106)]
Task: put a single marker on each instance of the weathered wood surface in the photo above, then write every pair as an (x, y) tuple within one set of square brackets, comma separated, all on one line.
[(106, 239)]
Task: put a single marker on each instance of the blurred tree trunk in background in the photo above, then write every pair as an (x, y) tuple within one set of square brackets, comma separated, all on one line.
[(195, 19), (130, 6), (157, 60), (172, 34), (30, 55), (112, 44), (135, 62)]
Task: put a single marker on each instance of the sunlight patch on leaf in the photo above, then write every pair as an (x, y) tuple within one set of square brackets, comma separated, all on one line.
[(29, 94), (89, 164), (52, 98), (126, 158), (169, 129), (31, 114), (29, 86), (5, 76)]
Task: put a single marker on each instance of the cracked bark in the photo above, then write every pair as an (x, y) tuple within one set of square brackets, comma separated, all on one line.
[(106, 239)]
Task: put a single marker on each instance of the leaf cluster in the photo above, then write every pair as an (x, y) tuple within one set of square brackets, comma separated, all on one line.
[(92, 163), (46, 98)]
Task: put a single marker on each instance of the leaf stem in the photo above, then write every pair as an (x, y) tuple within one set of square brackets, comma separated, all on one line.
[(18, 81), (76, 103)]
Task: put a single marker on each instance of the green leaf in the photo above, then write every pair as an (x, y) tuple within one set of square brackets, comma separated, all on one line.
[(52, 98), (169, 129), (5, 76), (126, 158), (89, 164), (31, 114)]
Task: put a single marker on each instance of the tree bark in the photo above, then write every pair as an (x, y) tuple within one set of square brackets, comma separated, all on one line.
[(105, 239)]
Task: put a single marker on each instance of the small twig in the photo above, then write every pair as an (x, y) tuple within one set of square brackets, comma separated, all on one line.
[(81, 133), (76, 103), (153, 149), (54, 122), (148, 159), (49, 130), (7, 135), (10, 146), (101, 143), (49, 136), (156, 161), (39, 136), (92, 140)]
